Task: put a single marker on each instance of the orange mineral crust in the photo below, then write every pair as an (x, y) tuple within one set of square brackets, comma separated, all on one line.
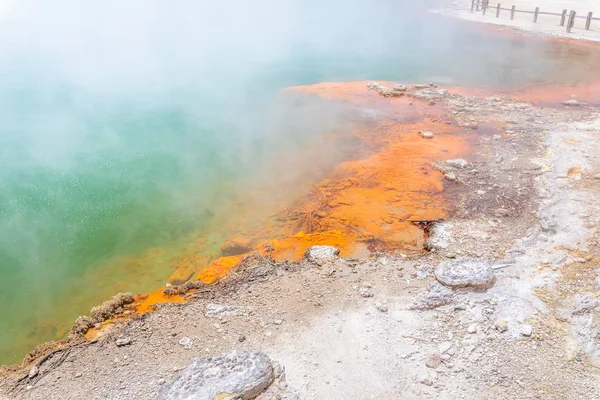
[(380, 197), (377, 201)]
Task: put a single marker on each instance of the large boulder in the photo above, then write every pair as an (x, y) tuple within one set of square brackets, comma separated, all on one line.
[(466, 272), (240, 374)]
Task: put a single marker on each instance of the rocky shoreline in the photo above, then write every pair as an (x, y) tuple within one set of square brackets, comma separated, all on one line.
[(502, 306)]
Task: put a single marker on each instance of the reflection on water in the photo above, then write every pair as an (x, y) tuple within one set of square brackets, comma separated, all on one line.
[(117, 184)]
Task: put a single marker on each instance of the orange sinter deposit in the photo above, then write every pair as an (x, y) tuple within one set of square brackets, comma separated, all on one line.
[(381, 197)]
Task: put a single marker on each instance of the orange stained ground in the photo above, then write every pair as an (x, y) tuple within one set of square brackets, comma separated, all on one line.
[(374, 201)]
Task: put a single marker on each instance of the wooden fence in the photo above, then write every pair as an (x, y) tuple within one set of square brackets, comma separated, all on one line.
[(484, 7)]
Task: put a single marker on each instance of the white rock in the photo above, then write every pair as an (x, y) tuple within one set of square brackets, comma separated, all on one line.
[(526, 330), (186, 342), (321, 254), (458, 163), (473, 328)]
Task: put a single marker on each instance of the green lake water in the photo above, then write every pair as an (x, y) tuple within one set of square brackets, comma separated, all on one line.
[(115, 154)]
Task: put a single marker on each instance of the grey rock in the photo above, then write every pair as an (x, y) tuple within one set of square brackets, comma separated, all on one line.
[(437, 296), (458, 163), (321, 254), (382, 307), (526, 330), (572, 103), (501, 325), (451, 176), (366, 292), (186, 342), (465, 272), (219, 311), (399, 87), (426, 134), (33, 371), (240, 374), (277, 369), (123, 341)]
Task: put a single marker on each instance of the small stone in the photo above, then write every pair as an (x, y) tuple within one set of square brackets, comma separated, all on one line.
[(572, 103), (321, 254), (426, 135), (33, 372), (278, 322), (242, 338), (277, 369), (186, 342), (220, 311), (465, 272), (399, 87), (501, 325), (437, 295), (434, 360), (458, 163), (426, 381), (526, 330), (268, 333), (29, 387), (78, 375), (123, 341), (381, 307), (161, 381), (501, 212), (472, 328), (366, 292), (431, 102), (451, 176)]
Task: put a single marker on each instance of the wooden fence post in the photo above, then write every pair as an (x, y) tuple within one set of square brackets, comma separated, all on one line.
[(571, 21), (512, 12), (588, 21), (535, 15), (562, 17), (498, 10)]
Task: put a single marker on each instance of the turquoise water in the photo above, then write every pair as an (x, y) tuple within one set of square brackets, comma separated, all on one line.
[(114, 156)]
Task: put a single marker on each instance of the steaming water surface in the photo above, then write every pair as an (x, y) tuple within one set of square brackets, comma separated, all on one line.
[(119, 146)]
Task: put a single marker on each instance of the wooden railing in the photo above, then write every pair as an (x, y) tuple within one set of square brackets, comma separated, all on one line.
[(484, 6)]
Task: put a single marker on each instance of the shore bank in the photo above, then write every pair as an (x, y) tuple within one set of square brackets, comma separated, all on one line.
[(523, 206)]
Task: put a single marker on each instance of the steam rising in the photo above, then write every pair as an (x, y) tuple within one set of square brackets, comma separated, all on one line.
[(124, 125)]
